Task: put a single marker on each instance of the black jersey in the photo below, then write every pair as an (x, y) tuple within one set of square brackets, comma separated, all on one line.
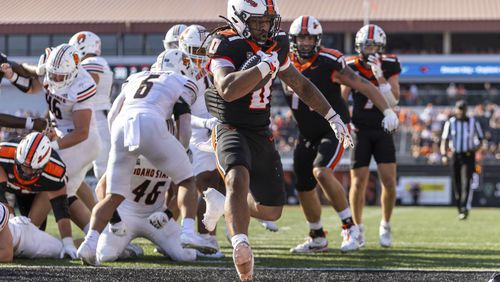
[(52, 178), (251, 111), (364, 113), (319, 70)]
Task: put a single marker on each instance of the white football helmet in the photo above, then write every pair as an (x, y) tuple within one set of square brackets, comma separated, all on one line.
[(305, 25), (177, 61), (32, 154), (171, 40), (370, 35), (238, 12), (62, 67), (193, 42), (86, 42)]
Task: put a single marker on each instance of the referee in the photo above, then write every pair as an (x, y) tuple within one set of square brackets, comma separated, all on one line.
[(463, 135)]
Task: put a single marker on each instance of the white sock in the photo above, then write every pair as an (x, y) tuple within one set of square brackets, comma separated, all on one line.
[(92, 235), (315, 225), (188, 226), (361, 227), (86, 228), (238, 238), (385, 223), (345, 214)]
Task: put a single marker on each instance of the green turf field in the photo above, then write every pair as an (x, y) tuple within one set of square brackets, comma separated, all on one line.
[(424, 238)]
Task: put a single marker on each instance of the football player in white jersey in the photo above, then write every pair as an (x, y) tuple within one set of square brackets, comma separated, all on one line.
[(19, 238), (144, 215), (88, 45), (138, 127), (69, 93)]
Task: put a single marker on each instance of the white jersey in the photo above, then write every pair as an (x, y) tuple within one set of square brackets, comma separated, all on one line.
[(199, 109), (98, 65), (156, 92), (147, 192), (78, 96)]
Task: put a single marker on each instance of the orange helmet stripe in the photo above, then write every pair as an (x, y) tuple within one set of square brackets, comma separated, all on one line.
[(371, 30), (305, 20), (270, 7), (32, 148)]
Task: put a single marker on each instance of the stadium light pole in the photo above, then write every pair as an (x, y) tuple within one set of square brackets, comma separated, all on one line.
[(366, 12)]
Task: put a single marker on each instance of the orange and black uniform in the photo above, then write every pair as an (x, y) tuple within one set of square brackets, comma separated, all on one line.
[(243, 136), (370, 137), (52, 178), (317, 145)]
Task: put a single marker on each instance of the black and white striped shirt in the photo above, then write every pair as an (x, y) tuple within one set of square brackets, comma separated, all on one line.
[(464, 135)]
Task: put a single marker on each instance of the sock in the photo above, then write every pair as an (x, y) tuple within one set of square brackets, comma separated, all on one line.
[(92, 235), (345, 214), (385, 223), (86, 229), (361, 227), (315, 225), (188, 226), (238, 238), (115, 218)]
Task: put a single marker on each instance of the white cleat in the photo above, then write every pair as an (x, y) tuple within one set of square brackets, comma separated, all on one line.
[(361, 237), (215, 208), (350, 239), (269, 225), (87, 253), (243, 261), (194, 241), (385, 236), (311, 245), (216, 255)]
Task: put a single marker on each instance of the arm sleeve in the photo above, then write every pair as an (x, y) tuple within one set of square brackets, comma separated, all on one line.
[(446, 130)]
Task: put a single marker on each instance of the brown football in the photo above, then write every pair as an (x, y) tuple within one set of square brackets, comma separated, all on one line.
[(251, 62)]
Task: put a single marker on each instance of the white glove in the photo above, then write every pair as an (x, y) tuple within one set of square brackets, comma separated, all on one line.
[(376, 65), (341, 131), (21, 220), (119, 228), (158, 219), (68, 248), (211, 123), (271, 59), (391, 121)]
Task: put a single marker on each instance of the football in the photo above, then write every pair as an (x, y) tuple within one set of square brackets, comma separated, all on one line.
[(251, 62)]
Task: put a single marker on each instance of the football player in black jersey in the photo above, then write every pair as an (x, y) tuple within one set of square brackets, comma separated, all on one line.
[(318, 151), (383, 71), (32, 167), (245, 151)]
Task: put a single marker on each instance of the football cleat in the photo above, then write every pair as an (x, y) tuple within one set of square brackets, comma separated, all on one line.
[(215, 208), (87, 252), (385, 236), (216, 255), (243, 261), (361, 237), (194, 241), (311, 245), (269, 225), (350, 239)]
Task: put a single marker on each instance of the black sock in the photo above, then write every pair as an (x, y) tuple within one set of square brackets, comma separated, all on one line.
[(348, 222), (115, 218), (317, 233)]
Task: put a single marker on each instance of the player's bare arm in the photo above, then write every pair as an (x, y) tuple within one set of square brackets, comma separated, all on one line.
[(81, 120), (305, 89), (350, 78), (184, 129), (233, 85), (28, 85), (394, 82), (6, 247)]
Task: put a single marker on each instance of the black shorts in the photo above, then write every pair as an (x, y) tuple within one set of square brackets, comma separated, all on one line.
[(256, 151), (376, 142), (323, 152)]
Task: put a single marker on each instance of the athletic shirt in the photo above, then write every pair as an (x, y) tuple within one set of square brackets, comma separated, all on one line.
[(98, 65), (319, 70), (156, 92), (52, 178), (364, 114), (251, 111), (78, 96), (147, 191)]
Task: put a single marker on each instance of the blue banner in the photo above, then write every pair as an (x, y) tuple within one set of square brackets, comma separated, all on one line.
[(436, 70)]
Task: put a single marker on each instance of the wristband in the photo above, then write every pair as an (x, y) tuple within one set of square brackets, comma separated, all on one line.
[(29, 123), (384, 88), (264, 68), (68, 241), (54, 145), (14, 77), (330, 114)]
